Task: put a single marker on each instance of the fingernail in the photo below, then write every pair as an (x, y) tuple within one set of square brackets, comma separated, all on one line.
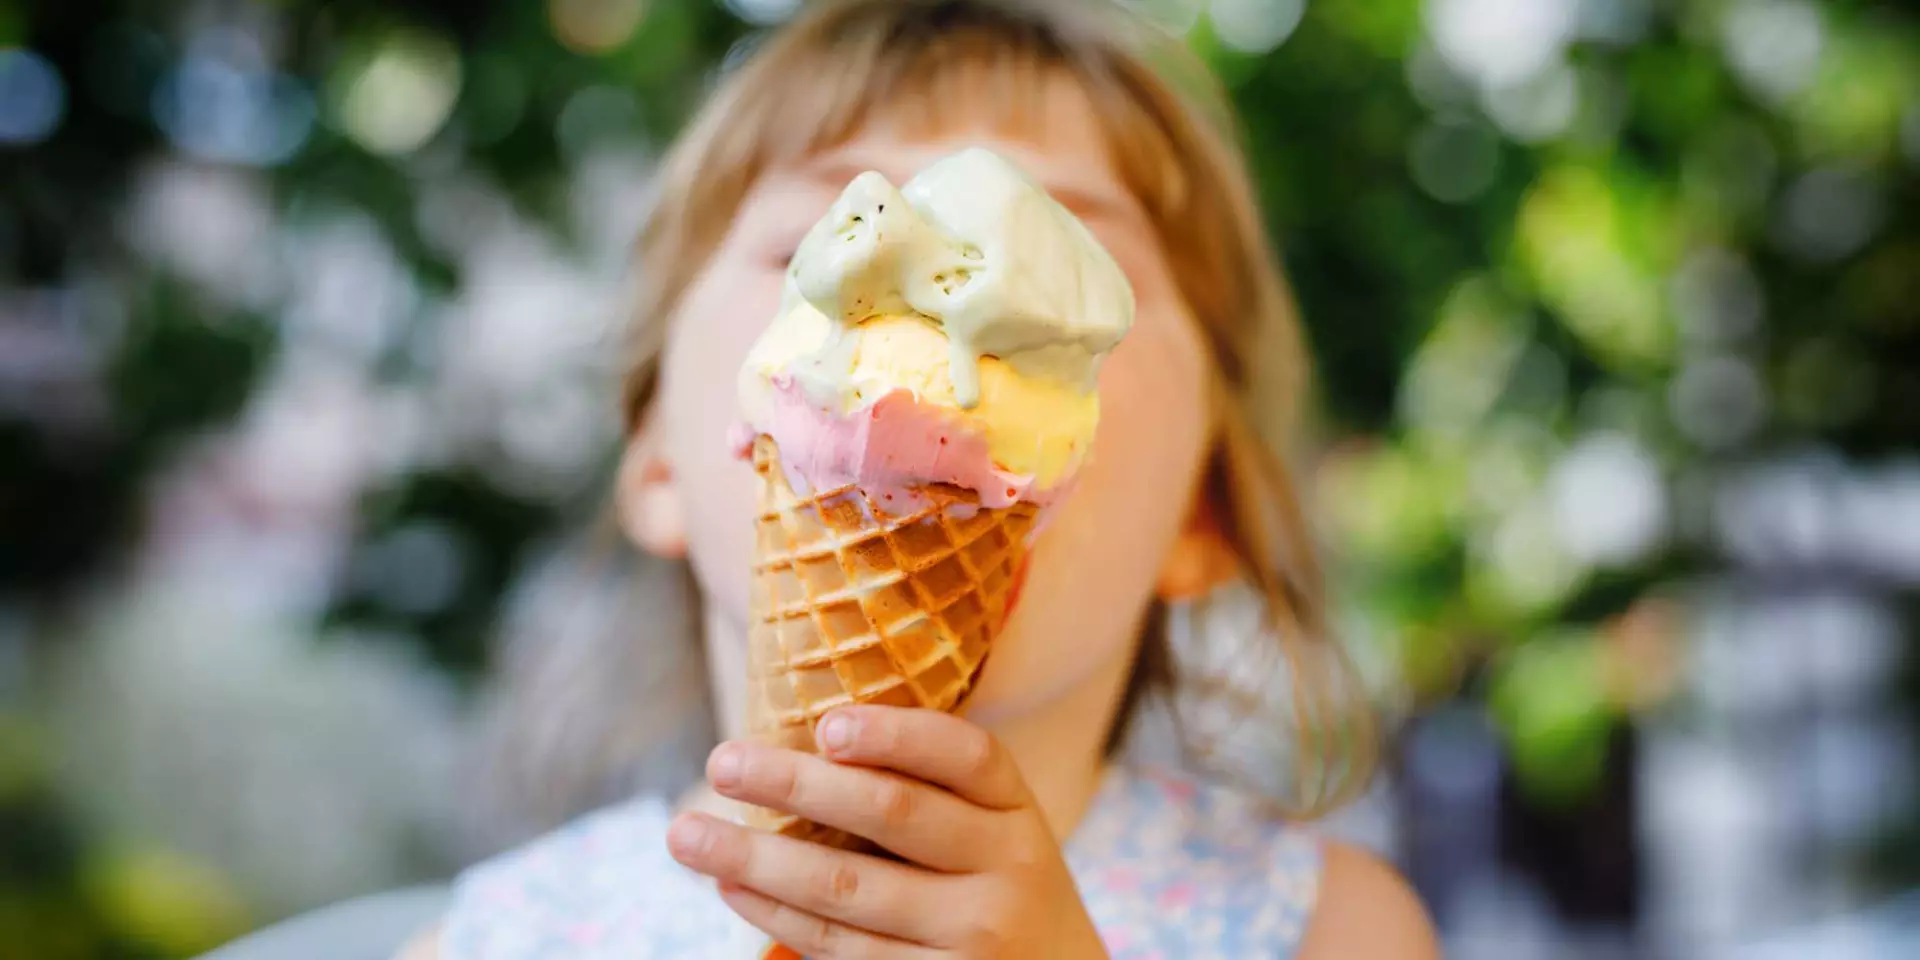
[(836, 733), (688, 837), (723, 768)]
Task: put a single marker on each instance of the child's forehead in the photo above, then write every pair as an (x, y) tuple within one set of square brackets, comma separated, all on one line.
[(1077, 171), (1049, 127)]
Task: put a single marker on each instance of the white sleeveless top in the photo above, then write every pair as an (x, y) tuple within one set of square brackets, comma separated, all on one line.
[(1166, 867)]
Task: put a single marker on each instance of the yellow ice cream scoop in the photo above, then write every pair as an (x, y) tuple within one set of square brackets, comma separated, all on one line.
[(1033, 426)]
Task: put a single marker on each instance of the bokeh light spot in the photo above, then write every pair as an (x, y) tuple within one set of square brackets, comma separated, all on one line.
[(1537, 107), (595, 115), (1255, 26), (763, 12), (1716, 297), (223, 102), (1574, 236), (1609, 503), (595, 26), (1454, 161), (1828, 214), (1717, 401), (32, 97), (1773, 45), (1500, 42), (393, 97)]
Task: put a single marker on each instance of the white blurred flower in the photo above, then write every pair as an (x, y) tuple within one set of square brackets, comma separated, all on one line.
[(459, 210), (349, 296), (1501, 42), (192, 715), (1536, 107), (403, 435), (302, 442), (524, 365), (525, 314), (1880, 515), (1774, 46), (212, 225), (269, 502), (1859, 773), (1609, 503), (1718, 842), (1779, 513), (613, 187), (1255, 26)]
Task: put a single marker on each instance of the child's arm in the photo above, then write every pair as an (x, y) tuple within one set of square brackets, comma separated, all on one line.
[(1366, 910)]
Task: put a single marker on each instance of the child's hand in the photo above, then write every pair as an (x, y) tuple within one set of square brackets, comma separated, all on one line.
[(984, 876)]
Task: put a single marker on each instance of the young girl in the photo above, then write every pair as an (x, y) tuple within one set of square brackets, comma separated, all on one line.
[(1017, 832)]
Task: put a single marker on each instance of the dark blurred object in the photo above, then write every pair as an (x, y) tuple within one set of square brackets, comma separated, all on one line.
[(1585, 852)]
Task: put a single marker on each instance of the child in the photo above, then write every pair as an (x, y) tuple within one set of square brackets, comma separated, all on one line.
[(1017, 834)]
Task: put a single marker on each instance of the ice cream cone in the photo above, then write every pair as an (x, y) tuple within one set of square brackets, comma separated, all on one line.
[(859, 601), (925, 393)]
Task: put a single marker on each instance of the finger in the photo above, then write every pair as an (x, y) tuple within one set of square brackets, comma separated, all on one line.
[(920, 822), (850, 888), (936, 747), (813, 936)]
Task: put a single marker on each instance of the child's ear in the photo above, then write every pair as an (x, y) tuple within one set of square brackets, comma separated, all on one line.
[(1200, 560), (647, 499)]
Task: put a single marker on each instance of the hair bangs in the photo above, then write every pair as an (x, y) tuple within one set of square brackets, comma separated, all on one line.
[(905, 74)]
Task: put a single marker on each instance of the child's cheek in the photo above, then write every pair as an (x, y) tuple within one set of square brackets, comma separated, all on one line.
[(1097, 564), (718, 323)]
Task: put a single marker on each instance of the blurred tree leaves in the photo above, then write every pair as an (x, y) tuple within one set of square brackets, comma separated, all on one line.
[(1702, 255)]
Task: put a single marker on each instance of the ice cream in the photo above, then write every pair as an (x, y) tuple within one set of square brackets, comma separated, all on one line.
[(946, 332), (925, 394)]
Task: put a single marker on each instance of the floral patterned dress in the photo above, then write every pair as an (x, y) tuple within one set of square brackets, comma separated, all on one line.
[(1167, 867)]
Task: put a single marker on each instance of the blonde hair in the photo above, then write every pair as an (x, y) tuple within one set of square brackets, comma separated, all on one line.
[(817, 82)]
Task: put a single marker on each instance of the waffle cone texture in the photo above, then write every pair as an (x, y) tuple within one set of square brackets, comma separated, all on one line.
[(859, 601)]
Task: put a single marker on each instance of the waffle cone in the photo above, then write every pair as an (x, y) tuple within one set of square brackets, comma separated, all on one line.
[(860, 601)]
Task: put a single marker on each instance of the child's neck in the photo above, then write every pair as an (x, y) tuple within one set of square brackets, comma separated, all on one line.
[(1058, 748)]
